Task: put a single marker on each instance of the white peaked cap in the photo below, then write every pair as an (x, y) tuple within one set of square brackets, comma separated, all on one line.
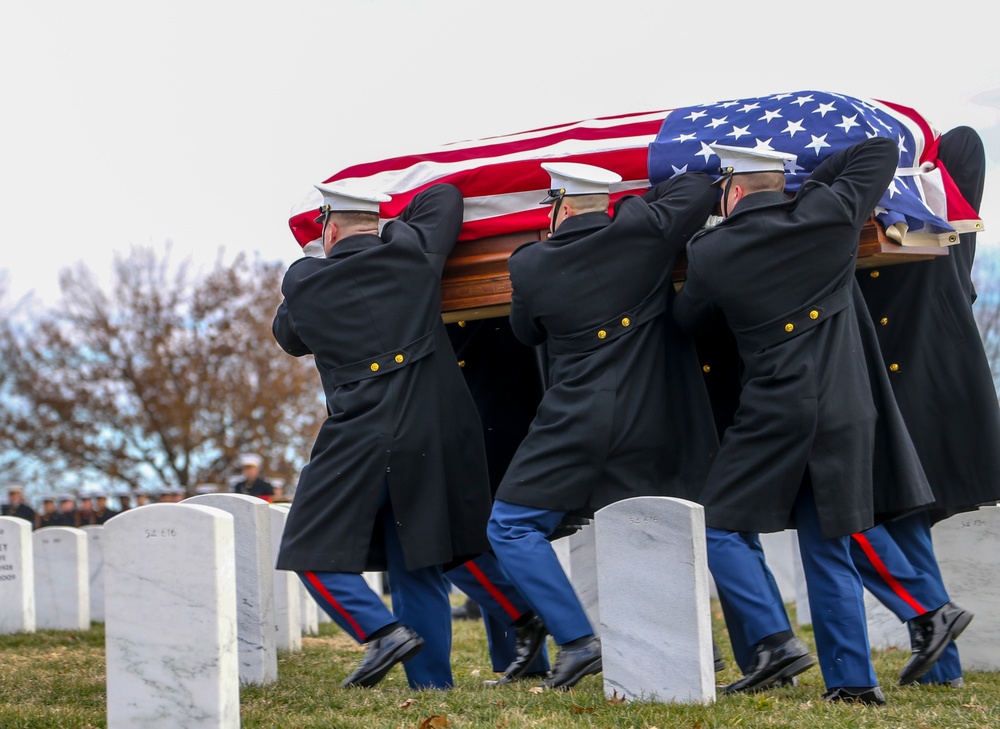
[(575, 178), (339, 197), (740, 160), (251, 459)]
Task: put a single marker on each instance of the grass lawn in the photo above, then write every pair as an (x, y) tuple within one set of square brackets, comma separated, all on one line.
[(56, 679)]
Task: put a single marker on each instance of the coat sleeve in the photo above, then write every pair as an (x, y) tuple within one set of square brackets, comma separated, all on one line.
[(284, 332), (859, 175), (525, 328), (434, 216), (693, 307), (682, 204)]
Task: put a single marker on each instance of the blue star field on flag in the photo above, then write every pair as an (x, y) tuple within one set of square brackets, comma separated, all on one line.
[(809, 124)]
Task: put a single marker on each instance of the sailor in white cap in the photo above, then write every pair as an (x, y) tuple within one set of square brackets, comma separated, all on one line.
[(16, 505), (814, 399), (251, 483), (576, 188), (758, 169), (621, 416), (397, 478)]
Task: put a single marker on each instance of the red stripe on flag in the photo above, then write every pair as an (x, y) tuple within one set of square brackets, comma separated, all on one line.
[(321, 589), (886, 575), (495, 593)]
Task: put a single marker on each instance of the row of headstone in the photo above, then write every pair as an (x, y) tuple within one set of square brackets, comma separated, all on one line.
[(646, 558)]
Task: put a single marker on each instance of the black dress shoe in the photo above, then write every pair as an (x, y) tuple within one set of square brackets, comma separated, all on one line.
[(469, 611), (773, 666), (720, 663), (529, 639), (871, 696), (929, 636), (507, 679), (575, 663), (382, 654)]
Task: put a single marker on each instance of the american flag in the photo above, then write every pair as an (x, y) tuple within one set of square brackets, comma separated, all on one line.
[(503, 183), (921, 205)]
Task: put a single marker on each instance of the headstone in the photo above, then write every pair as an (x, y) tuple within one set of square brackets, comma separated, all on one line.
[(95, 569), (256, 625), (375, 581), (967, 546), (578, 556), (656, 629), (885, 630), (62, 586), (287, 611), (803, 615), (17, 576), (781, 550), (310, 611), (170, 607)]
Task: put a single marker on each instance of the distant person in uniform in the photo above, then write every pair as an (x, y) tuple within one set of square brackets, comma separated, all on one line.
[(102, 512), (252, 484), (85, 510), (67, 514), (625, 412), (47, 513), (16, 506), (810, 433), (941, 377), (397, 479)]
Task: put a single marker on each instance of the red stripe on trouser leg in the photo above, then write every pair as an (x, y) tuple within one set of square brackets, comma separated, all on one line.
[(321, 589), (494, 592), (886, 575)]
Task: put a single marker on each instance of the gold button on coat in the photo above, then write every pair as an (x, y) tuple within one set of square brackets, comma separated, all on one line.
[(706, 369), (374, 366), (602, 334), (626, 321), (873, 274), (399, 358), (814, 314), (789, 327), (461, 323), (883, 321), (461, 363), (894, 367)]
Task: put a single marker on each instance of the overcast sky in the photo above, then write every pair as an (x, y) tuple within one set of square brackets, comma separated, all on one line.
[(203, 121)]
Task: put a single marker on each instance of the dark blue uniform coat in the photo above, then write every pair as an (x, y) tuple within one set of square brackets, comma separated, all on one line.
[(932, 347), (399, 410), (781, 273), (625, 412)]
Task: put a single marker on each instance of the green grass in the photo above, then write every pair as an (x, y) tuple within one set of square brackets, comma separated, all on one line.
[(56, 679)]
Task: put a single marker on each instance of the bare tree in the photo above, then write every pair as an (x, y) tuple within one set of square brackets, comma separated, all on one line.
[(163, 379)]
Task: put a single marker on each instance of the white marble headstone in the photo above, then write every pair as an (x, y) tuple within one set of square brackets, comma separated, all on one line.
[(170, 617), (287, 611), (781, 551), (577, 554), (656, 629), (968, 551), (95, 569), (310, 611), (256, 624), (803, 614), (17, 576), (62, 582)]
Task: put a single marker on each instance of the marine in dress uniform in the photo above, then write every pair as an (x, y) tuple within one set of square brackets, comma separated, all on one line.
[(102, 512), (941, 378), (15, 505), (625, 412), (397, 478), (804, 444), (252, 484), (504, 378)]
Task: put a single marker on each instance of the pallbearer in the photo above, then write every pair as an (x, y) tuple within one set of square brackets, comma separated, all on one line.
[(397, 478), (625, 413)]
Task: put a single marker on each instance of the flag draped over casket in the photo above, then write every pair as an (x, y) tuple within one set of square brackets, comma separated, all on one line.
[(503, 183)]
